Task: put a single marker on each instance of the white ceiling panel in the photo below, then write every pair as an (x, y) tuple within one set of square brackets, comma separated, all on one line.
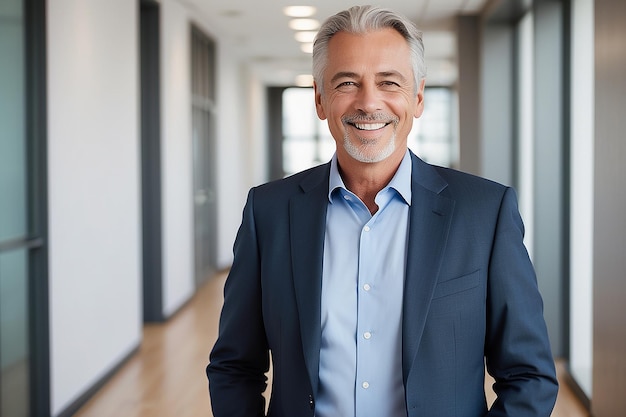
[(258, 32)]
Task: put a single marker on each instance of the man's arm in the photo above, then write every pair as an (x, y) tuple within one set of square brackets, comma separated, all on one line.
[(240, 359), (517, 348)]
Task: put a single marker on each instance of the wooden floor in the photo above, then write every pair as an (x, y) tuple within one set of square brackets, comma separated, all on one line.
[(166, 377)]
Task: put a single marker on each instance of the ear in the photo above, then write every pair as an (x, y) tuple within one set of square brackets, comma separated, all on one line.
[(419, 102), (319, 107)]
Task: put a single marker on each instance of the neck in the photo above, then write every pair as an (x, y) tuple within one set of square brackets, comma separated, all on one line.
[(367, 179)]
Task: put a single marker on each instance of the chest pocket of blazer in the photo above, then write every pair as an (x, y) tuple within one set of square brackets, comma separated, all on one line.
[(457, 285)]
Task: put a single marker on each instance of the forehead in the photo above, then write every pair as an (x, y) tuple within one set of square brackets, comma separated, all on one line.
[(382, 50)]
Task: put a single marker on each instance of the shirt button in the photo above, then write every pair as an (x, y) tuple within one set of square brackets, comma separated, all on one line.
[(365, 385), (367, 335), (367, 287), (366, 228)]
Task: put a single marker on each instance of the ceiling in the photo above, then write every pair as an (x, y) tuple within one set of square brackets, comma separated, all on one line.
[(257, 32)]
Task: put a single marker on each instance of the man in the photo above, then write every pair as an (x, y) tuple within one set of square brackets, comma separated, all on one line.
[(380, 284)]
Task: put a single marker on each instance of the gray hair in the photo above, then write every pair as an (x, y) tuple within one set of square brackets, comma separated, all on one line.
[(362, 20)]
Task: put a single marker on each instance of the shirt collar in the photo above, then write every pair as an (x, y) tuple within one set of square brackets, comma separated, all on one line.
[(401, 181)]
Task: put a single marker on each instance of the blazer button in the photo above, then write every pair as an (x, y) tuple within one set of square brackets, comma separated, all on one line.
[(311, 402)]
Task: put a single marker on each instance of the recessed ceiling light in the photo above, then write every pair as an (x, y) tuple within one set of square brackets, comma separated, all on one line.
[(304, 24), (299, 11), (306, 36)]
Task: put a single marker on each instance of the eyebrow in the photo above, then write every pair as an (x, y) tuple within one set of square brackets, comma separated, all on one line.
[(343, 74)]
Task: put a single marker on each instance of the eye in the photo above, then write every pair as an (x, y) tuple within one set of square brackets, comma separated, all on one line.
[(345, 84)]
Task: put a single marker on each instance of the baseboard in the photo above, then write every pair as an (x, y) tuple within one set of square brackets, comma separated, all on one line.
[(73, 408)]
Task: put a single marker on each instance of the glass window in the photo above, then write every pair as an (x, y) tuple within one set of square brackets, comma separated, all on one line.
[(433, 137), (14, 320), (12, 130), (307, 141)]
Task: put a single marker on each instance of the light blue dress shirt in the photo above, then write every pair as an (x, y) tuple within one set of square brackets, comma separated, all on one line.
[(362, 285)]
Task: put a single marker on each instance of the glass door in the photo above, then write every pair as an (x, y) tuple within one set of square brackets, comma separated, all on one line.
[(14, 288), (24, 347), (203, 125)]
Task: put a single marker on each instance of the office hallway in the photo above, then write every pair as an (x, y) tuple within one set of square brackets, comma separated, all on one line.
[(166, 378)]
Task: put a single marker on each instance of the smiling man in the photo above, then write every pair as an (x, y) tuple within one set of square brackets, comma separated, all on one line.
[(380, 284)]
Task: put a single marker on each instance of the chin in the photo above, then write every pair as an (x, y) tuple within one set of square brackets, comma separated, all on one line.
[(364, 153)]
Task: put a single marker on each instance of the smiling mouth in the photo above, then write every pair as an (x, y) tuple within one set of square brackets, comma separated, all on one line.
[(369, 126)]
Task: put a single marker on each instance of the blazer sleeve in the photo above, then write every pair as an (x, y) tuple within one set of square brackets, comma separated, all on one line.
[(517, 350), (240, 359)]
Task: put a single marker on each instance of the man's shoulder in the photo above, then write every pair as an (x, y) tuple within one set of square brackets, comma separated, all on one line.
[(464, 186), (456, 177), (451, 181), (296, 183)]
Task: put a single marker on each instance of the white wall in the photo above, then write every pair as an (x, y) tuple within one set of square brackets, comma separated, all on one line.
[(256, 138), (582, 198), (94, 193), (525, 132), (242, 148), (176, 157), (230, 152), (94, 177), (496, 103), (231, 161)]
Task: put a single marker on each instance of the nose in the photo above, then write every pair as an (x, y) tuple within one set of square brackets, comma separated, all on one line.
[(368, 98)]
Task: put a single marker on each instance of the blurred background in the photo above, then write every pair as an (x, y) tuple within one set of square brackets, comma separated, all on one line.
[(130, 132)]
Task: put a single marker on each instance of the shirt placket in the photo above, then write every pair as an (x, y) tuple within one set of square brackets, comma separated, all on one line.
[(366, 333)]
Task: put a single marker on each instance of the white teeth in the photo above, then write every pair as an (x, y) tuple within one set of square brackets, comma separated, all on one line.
[(369, 126)]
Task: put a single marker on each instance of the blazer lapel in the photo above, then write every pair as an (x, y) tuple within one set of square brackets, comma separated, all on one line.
[(429, 223), (307, 217)]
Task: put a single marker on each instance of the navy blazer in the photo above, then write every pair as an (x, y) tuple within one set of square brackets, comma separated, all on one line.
[(470, 296)]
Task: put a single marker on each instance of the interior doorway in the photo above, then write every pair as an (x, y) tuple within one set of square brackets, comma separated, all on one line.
[(204, 176)]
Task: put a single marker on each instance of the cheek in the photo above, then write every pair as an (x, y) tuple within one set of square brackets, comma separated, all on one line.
[(406, 113), (413, 108), (336, 128), (338, 103)]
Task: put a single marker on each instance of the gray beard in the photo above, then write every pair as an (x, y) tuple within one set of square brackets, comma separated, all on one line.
[(360, 151)]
